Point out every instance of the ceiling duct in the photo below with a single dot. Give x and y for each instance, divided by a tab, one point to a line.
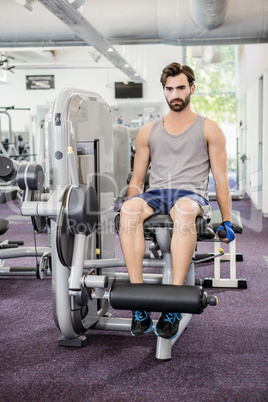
208	14
126	22
179	22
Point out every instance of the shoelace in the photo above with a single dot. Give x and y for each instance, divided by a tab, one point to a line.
140	315
172	317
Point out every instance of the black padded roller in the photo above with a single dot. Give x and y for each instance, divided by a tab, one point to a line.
162	298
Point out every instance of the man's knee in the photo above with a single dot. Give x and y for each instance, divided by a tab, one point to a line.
133	213
131	208
185	209
136	207
184	213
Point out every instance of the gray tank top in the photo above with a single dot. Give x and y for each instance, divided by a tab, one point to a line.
179	161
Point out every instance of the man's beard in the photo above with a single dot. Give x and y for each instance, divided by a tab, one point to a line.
178	107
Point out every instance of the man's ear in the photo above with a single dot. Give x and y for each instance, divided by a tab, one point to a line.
192	89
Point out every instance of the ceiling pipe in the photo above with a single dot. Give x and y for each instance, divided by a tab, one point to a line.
63	10
175	22
122	22
208	14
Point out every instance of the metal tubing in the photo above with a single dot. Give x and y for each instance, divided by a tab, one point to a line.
17	271
95	281
164	346
72	167
77	262
21	252
116	324
190	278
122	277
119	262
40	208
113	324
167	272
163	237
61	298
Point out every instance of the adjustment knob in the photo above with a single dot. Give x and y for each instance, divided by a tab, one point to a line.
212	300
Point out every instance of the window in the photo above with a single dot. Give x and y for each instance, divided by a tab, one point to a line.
215	96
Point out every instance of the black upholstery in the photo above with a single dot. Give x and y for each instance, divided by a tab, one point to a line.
149	297
4	225
164	221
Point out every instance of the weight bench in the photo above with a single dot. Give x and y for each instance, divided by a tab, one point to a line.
232	256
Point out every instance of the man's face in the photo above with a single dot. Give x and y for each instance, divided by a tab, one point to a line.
178	92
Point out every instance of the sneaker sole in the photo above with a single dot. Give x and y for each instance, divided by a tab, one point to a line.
174	336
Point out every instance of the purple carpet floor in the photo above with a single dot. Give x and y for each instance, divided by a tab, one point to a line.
222	356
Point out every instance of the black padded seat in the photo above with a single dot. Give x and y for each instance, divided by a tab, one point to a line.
216	220
4	225
158	221
164	221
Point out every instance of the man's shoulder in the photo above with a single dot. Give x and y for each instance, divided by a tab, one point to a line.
147	128
150	125
144	134
210	124
212	129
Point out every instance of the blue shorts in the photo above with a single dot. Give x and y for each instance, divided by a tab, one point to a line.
162	200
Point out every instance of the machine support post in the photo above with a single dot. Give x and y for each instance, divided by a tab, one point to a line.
77	262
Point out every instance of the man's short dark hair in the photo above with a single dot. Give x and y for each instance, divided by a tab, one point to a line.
174	69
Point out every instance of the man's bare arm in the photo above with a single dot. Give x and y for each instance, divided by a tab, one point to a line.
141	161
218	161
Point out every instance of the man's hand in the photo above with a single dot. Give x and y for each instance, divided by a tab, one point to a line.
225	232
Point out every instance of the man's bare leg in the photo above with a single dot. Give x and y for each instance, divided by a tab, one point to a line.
183	242
133	213
183	213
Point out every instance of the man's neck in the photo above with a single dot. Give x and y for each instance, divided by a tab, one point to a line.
180	117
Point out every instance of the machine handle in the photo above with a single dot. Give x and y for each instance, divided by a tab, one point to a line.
18	242
222	234
72	167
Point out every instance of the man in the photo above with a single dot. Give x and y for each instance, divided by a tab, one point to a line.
181	148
